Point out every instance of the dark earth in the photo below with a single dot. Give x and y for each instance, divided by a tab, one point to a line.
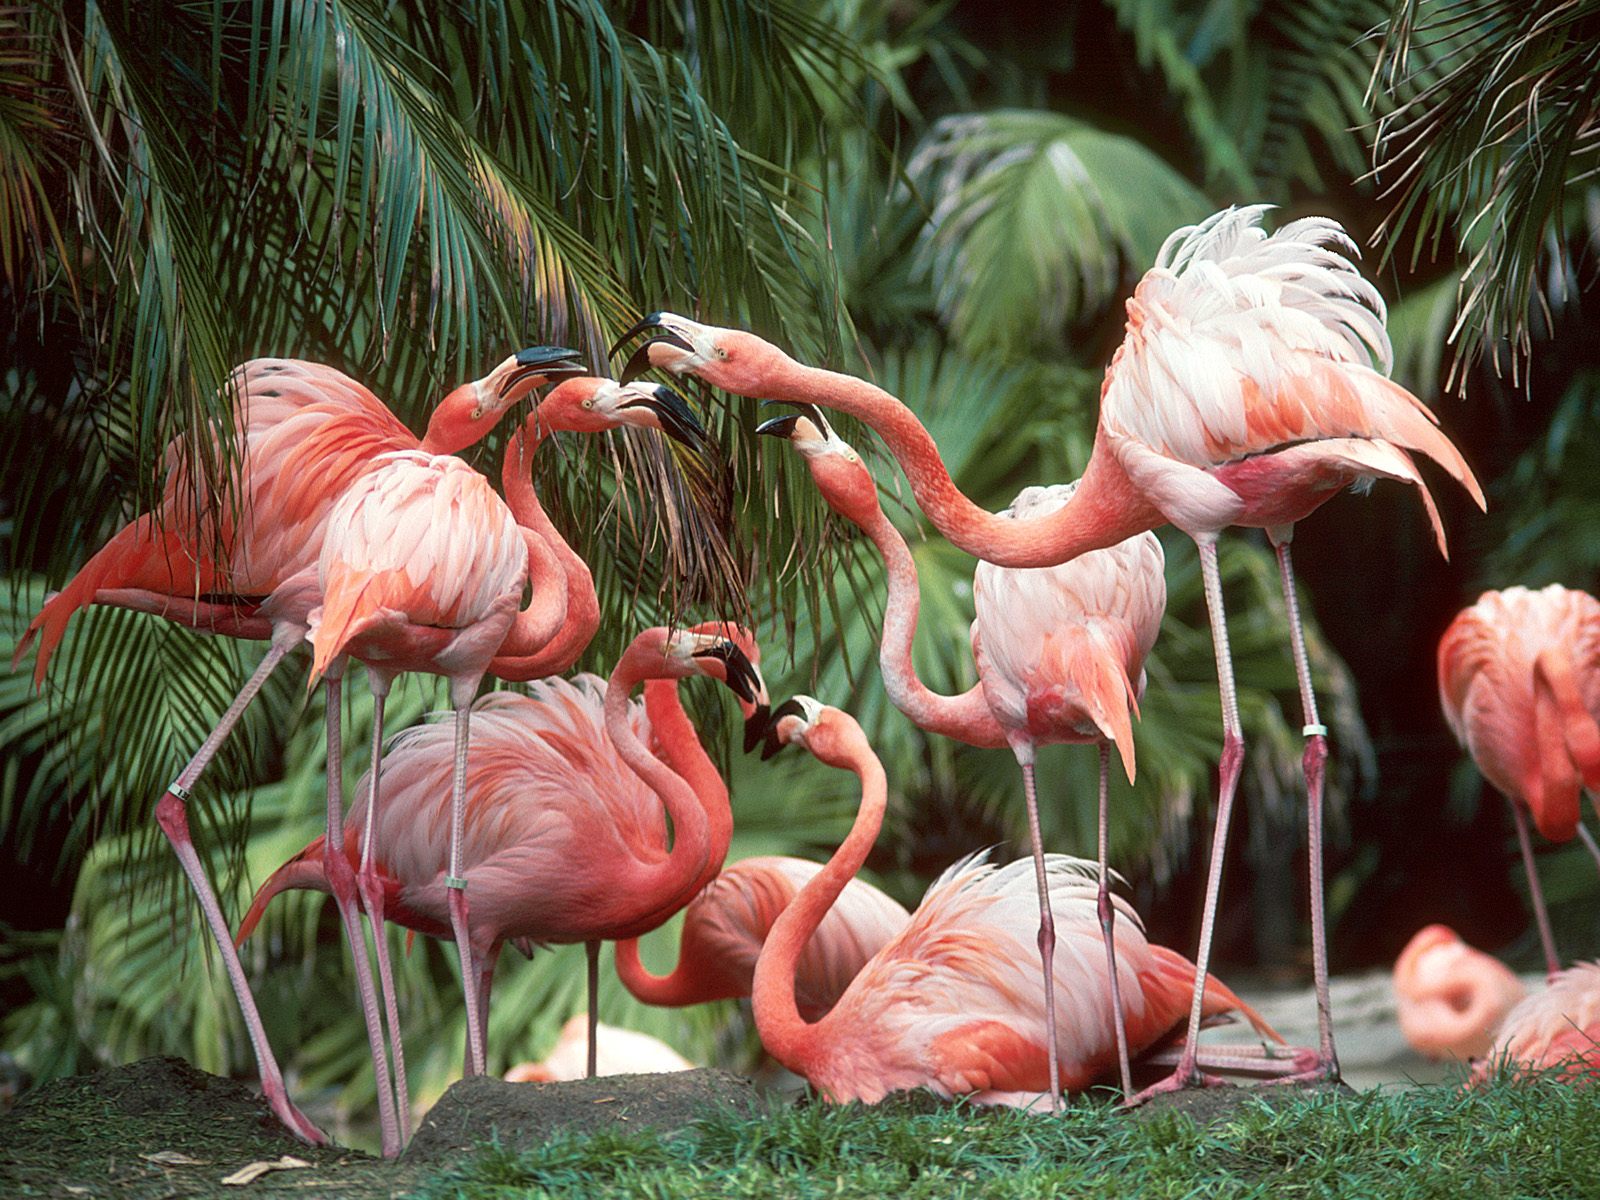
160	1129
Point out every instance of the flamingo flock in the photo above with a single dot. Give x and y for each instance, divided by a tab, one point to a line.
1251	387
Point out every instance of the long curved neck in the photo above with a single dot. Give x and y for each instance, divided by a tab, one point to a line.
1105	509
525	654
965	717
667	883
676	990
784	1032
547	575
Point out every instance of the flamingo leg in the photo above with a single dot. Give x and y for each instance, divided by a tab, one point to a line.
1108	917
371	888
1047	922
173	818
342	883
457	887
591	951
491	959
1587	839
1552	963
1187	1073
1316	754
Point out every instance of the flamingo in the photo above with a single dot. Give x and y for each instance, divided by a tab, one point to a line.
562	836
726	924
622	1052
1450	997
1059	650
1519	681
1243	394
1555	1031
949	1004
308	432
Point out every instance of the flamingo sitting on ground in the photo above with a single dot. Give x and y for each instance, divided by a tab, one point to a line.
563	837
726	925
1060	653
952	1004
1243	394
1556	1031
1519	681
307	432
1450	998
622	1052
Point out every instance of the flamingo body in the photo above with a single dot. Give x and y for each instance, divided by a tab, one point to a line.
1556	1030
620	1052
1450	998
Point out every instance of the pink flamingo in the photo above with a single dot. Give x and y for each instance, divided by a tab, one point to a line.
1519	681
561	790
1243	394
950	1004
1556	1031
1059	650
622	1052
727	923
307	433
1451	998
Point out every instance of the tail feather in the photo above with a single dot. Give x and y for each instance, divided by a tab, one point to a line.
1097	671
352	604
303	871
1400	417
1168	987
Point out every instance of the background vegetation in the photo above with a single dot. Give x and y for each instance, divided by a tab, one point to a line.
952	204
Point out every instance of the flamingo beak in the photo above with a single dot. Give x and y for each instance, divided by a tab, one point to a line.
784	426
742	677
648	321
789	708
639	361
549	362
677	418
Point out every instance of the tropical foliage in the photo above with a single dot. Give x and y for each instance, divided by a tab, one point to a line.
950	204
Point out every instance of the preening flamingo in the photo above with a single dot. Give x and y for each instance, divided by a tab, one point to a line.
1519	680
622	1052
307	432
1059	651
726	925
563	836
1556	1030
953	1003
1243	394
1451	998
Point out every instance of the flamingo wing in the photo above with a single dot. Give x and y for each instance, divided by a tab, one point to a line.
1557	1028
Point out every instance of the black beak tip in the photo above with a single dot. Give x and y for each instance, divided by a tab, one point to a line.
756	727
648	321
771	745
777	427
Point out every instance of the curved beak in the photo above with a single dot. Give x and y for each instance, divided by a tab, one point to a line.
648	321
743	679
639	361
784	426
551	362
677	418
789	708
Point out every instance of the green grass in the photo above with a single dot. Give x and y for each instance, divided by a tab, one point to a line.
1534	1140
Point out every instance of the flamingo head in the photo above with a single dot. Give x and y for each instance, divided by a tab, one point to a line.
466	415
705	650
836	468
730	359
757	709
595	405
830	734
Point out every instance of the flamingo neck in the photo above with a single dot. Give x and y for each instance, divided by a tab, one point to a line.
665	991
547	609
787	1035
965	717
667	884
1105	509
679	745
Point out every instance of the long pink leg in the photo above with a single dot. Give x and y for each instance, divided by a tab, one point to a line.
371	889
173	817
342	884
591	952
1316	754
1552	963
1108	917
457	887
486	968
1187	1073
1587	839
1047	921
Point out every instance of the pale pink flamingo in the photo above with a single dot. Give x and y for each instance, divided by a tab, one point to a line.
1243	394
563	836
1519	681
622	1052
1555	1031
726	924
307	432
1059	652
951	1004
1450	998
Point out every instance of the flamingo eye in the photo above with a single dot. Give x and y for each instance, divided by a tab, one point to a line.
588	403
477	413
722	353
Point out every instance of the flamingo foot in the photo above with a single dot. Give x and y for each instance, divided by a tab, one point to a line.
1186	1077
292	1118
1317	1070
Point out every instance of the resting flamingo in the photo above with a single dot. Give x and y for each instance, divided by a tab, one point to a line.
1556	1031
307	432
727	923
1519	681
1243	394
1450	998
1059	651
563	837
951	1004
622	1052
